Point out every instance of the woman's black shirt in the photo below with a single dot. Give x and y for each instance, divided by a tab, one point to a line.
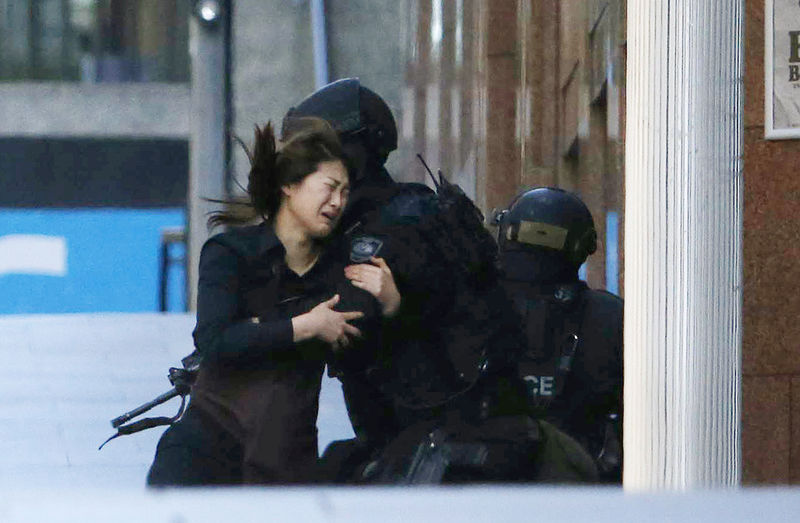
254	380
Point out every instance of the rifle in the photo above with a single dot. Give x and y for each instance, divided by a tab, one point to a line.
181	380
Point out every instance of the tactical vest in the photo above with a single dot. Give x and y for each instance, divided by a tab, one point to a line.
552	318
441	342
572	365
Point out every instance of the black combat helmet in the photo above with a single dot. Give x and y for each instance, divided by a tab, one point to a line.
550	222
354	111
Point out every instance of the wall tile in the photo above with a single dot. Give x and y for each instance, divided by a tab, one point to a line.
502	156
794	462
543	78
572	31
754	64
771	254
765	430
502	37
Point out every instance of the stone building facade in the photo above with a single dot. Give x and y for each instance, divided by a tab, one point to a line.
506	95
509	94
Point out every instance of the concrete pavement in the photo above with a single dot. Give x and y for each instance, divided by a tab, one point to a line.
63	377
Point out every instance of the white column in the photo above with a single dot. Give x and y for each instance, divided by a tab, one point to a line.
683	249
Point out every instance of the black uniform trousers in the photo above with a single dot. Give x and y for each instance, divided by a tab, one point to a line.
196	451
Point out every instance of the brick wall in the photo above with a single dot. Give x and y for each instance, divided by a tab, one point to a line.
770	356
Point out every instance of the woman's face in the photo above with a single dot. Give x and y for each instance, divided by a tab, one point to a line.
317	202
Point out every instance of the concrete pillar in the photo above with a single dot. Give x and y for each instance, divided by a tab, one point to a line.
208	138
683	247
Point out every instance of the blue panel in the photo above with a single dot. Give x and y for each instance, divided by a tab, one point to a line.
112	261
612	252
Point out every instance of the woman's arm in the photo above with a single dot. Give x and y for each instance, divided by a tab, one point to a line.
376	278
326	324
220	334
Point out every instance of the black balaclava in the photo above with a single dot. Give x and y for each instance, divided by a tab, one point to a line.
537	265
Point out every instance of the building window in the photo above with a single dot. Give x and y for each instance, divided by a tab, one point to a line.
94	40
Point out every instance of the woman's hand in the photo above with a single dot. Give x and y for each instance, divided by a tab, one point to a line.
377	280
326	324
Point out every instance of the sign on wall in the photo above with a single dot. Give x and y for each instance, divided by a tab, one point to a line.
782	68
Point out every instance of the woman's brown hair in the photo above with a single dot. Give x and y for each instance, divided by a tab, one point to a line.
273	167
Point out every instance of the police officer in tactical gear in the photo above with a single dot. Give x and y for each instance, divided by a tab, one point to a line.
437	396
572	366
